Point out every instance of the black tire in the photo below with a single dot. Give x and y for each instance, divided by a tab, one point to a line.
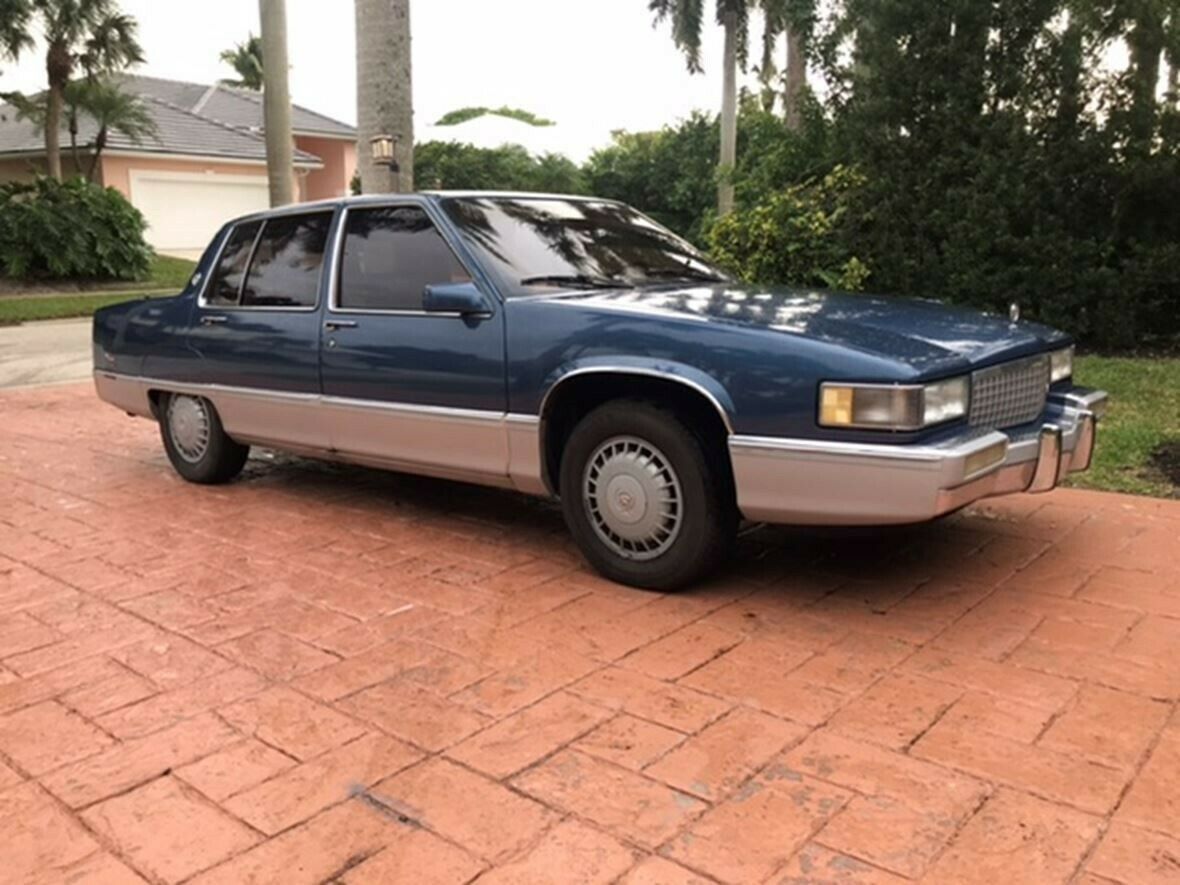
217	460
707	521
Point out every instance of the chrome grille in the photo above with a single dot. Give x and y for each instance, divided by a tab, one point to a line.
1010	393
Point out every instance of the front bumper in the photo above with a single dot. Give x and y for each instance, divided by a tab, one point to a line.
818	482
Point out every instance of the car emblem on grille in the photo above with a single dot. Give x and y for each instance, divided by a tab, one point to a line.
1014	312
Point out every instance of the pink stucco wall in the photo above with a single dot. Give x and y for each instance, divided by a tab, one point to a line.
27	168
116	170
339	158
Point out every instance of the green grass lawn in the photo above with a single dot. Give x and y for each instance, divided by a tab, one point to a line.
168	276
170	273
59	307
1143	423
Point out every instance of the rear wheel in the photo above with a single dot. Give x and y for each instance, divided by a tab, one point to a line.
197	445
645	497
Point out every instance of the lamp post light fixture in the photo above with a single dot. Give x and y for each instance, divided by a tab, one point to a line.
383	150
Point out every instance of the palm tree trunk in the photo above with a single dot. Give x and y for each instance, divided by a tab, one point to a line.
1146	42
100	143
74	147
58	65
728	116
385	95
796	82
276	101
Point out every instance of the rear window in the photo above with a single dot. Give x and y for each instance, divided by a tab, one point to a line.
226	286
285	269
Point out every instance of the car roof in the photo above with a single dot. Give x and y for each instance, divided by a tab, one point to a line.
433	195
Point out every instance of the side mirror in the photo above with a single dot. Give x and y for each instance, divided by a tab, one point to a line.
460	298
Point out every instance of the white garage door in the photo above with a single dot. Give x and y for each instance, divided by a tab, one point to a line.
184	210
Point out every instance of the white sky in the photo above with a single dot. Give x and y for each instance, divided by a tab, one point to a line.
593	68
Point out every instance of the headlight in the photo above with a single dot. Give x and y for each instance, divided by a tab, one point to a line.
893	407
1061	364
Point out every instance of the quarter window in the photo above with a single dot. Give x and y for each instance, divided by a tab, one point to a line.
226	286
285	270
391	255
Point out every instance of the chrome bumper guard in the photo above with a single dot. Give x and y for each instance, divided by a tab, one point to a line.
816	482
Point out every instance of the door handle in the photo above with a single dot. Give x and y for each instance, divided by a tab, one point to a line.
334	325
213	320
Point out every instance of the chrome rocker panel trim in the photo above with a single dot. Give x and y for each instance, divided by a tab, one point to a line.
792	481
810	482
467	445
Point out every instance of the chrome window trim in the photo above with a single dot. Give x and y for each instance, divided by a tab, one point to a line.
202	295
334	279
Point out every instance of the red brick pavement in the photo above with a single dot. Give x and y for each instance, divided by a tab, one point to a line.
324	673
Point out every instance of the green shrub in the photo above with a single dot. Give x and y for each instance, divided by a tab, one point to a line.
70	230
443	165
669	174
795	236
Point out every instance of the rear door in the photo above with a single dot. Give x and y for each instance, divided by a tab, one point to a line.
404	386
257	330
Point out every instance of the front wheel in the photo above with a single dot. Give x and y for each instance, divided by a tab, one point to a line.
196	443
641	498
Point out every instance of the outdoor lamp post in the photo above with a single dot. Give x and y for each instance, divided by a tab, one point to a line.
383	151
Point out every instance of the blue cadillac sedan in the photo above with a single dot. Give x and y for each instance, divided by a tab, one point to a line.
574	348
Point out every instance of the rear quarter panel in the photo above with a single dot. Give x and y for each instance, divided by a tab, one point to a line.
149	337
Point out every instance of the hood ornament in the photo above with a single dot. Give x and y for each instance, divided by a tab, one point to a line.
1014	312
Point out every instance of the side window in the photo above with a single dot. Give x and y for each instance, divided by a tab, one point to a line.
226	285
391	255
285	271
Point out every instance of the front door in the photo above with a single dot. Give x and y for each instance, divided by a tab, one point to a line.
401	386
257	331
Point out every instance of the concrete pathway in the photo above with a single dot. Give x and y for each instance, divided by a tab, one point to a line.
327	674
45	353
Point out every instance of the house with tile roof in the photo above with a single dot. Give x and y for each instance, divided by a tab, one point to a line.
206	164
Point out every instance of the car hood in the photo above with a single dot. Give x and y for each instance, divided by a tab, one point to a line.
923	334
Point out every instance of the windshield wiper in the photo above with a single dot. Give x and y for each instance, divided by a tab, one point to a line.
576	281
684	273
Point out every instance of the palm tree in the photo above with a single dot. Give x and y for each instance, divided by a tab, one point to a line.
793	18
276	103
688	18
88	34
246	59
385	97
113	110
102	101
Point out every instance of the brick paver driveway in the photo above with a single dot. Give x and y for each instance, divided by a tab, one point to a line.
322	673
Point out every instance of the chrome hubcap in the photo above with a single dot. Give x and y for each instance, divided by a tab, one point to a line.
633	498
188	425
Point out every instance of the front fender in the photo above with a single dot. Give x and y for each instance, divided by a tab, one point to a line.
703	383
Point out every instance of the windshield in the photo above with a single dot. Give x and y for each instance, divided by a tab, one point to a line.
534	244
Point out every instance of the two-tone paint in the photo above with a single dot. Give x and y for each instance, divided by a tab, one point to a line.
468	396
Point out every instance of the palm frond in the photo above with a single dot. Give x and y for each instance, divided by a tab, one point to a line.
112	45
15	18
112	108
27	107
687	17
246	60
